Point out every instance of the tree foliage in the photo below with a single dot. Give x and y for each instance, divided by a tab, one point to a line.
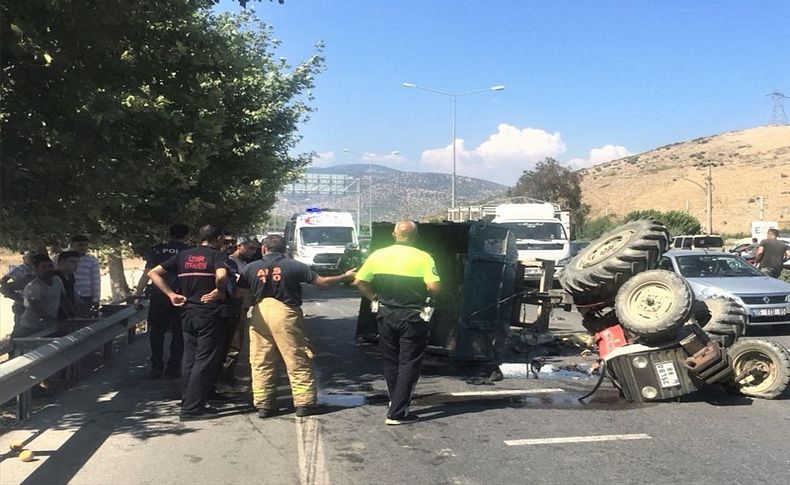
596	227
119	118
677	222
552	182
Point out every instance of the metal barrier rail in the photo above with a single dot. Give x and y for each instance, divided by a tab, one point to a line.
19	374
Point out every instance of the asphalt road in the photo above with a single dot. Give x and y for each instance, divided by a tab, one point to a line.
118	427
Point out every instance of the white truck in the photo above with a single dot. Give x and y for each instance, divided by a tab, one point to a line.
319	238
542	231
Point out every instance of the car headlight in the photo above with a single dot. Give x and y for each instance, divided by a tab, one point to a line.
714	292
787	299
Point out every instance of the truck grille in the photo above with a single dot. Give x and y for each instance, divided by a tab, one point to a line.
537	247
327	258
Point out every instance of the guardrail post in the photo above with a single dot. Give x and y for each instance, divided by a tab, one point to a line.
23	405
131	332
107	350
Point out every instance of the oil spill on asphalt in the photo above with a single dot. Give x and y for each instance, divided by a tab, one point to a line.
602	400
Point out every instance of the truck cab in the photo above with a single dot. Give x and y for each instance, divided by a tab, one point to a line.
319	238
541	231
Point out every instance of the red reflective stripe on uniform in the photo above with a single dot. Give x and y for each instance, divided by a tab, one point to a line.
195	274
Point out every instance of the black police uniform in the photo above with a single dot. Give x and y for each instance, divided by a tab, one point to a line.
162	315
201	323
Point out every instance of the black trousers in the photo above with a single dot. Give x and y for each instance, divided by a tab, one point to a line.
233	339
403	337
164	317
203	333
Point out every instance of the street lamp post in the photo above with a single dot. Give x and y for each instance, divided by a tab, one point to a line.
708	189
453	96
370	184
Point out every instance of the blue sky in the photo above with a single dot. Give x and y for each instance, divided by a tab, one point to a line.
585	81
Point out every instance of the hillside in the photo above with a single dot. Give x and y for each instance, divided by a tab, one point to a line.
746	165
396	194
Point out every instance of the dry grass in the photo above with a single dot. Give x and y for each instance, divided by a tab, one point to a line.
748	164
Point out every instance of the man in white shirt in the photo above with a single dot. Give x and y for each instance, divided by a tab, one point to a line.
42	298
87	278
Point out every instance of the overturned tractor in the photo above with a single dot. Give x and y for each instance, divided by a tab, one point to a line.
655	339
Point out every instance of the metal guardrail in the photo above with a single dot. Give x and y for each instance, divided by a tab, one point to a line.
19	374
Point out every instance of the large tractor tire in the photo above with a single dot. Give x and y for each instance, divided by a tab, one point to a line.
599	270
722	318
654	304
762	365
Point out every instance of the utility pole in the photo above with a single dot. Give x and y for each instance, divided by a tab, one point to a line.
761	206
709	187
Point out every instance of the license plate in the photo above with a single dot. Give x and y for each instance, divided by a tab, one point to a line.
667	375
769	312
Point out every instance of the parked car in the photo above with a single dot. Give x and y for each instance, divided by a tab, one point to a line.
714	274
698	242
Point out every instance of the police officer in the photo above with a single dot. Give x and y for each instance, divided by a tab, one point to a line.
162	315
277	326
400	278
202	276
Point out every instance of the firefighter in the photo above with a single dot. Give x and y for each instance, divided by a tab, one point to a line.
277	326
202	277
399	279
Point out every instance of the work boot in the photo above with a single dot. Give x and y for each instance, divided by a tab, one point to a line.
264	413
302	411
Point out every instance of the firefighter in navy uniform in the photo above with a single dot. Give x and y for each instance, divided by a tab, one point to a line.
202	277
162	315
277	327
400	278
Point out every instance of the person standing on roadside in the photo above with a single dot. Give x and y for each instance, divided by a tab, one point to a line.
87	278
202	277
71	305
242	252
162	315
771	254
400	278
42	295
277	326
13	283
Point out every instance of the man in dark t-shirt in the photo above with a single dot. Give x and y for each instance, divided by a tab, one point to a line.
162	315
202	276
277	326
771	254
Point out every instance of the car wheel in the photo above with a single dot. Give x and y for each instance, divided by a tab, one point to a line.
722	318
761	368
595	274
654	304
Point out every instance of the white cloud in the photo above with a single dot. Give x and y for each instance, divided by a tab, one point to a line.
600	155
501	158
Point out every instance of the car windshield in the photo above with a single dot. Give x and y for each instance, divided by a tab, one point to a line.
538	230
326	236
708	242
714	266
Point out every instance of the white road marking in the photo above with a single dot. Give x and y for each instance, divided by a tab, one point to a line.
508	392
107	396
579	439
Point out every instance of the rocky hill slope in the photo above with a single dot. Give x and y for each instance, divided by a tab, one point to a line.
396	194
746	166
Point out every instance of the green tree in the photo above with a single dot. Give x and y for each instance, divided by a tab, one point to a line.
552	182
677	222
119	118
596	227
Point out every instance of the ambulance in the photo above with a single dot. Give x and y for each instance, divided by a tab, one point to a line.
320	237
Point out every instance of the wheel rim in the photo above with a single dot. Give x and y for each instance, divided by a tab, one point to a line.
747	361
606	248
649	302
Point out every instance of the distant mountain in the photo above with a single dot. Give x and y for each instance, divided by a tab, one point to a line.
751	175
396	194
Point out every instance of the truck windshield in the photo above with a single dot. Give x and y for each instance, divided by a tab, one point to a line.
326	236
538	230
